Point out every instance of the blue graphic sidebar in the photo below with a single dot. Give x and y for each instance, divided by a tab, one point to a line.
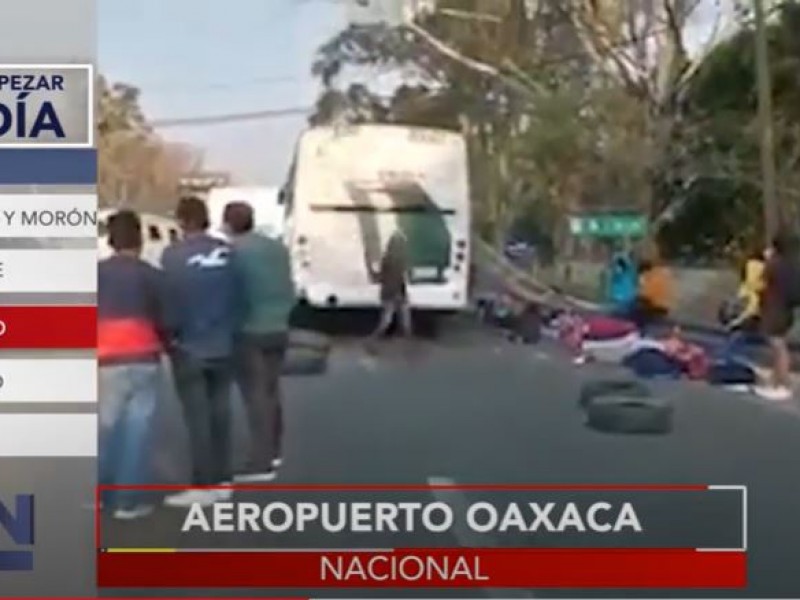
48	166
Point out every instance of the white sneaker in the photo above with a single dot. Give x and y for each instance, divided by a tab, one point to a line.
130	514
192	497
775	393
255	477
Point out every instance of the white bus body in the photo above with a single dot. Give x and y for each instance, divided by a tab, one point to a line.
269	214
352	187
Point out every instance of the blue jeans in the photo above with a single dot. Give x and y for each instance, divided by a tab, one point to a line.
129	395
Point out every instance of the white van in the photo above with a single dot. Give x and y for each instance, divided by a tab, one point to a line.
159	232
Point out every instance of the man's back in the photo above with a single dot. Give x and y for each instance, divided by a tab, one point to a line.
129	310
264	271
394	269
201	295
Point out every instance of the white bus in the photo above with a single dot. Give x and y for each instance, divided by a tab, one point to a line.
158	233
351	188
269	213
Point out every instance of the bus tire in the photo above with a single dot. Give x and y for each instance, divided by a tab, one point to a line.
307	339
628	415
593	390
305	361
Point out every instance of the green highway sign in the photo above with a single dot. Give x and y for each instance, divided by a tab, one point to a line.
608	226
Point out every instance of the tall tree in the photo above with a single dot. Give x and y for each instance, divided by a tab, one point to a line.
137	167
723	211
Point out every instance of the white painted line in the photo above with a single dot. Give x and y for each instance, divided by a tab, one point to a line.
29	436
48	271
369	363
56	380
44	215
465	536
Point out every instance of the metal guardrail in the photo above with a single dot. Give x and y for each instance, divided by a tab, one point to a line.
520	283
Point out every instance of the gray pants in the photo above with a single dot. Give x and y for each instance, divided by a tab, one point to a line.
396	308
204	388
259	366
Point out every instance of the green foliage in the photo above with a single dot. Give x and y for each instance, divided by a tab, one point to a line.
723	209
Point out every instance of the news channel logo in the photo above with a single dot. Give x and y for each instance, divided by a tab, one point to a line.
17	529
47	106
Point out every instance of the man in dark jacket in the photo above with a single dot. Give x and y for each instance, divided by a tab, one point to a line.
263	267
130	341
203	303
779	300
394	287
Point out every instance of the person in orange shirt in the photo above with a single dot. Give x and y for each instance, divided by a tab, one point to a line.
655	298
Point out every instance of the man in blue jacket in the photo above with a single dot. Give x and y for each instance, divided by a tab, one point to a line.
202	307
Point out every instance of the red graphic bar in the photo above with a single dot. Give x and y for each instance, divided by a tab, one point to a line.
427	568
48	327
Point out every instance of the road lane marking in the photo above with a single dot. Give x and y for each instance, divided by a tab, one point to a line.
467	538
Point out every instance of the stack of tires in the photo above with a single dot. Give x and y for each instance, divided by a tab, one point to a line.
624	406
307	354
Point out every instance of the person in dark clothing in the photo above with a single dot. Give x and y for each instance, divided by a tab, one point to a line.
130	341
777	312
394	287
203	302
263	268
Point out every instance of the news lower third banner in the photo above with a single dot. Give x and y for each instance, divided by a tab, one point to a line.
437	537
48	280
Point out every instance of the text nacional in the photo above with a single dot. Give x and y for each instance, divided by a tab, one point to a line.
410	517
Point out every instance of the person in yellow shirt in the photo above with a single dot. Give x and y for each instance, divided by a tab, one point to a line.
748	297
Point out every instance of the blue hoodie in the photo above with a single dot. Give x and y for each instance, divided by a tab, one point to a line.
202	296
623	282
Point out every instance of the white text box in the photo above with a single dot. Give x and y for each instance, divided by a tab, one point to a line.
24	435
48	271
48	216
57	380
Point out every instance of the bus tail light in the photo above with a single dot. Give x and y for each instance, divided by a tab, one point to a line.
301	251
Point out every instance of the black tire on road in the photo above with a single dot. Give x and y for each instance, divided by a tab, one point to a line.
307	339
305	361
600	389
623	414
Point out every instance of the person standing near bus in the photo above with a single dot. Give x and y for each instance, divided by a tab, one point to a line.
393	278
263	268
781	296
203	303
130	343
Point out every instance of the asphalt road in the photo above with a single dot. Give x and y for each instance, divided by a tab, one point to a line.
475	409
